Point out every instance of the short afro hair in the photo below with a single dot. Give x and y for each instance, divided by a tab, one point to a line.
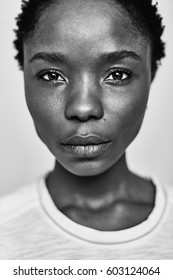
143	14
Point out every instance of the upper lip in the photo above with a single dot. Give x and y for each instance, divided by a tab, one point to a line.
84	140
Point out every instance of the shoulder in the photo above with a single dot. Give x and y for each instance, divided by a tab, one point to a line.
164	197
168	188
18	202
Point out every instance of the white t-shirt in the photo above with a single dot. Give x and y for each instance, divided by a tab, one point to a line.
31	227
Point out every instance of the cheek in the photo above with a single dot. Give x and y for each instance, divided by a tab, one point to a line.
133	115
126	112
46	111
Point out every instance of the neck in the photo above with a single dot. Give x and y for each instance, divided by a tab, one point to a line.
114	200
95	190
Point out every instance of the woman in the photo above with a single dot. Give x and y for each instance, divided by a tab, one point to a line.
88	67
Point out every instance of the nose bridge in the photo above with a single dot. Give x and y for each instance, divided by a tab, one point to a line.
84	100
86	89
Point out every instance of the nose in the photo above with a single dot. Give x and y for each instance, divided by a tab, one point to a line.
84	101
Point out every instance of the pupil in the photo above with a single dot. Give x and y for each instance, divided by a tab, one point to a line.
117	76
52	76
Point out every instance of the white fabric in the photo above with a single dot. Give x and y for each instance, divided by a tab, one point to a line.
31	227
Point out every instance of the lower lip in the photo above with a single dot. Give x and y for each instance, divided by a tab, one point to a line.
87	151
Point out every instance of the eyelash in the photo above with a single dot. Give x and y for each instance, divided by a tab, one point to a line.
54	79
119	80
116	81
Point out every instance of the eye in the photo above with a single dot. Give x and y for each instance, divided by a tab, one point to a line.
51	76
118	76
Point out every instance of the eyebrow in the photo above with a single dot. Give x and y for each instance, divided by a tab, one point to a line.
119	55
56	57
49	57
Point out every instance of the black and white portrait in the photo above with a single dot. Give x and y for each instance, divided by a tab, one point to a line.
86	129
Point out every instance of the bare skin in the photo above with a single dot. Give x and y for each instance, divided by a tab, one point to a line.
105	202
88	72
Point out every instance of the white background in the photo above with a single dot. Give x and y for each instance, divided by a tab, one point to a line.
22	155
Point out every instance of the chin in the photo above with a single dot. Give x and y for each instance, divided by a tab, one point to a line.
87	169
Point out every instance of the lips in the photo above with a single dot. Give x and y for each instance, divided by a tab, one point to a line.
80	140
86	146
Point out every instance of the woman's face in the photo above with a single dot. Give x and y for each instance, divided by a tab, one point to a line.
87	77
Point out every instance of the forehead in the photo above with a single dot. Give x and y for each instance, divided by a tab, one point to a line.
82	28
